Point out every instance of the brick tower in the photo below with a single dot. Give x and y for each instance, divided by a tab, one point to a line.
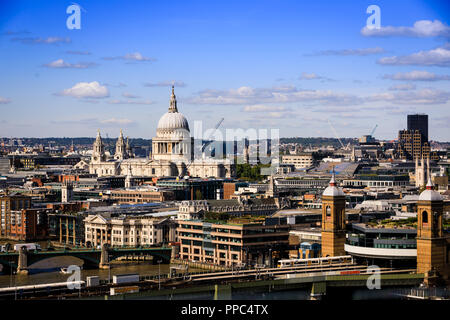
431	241
333	220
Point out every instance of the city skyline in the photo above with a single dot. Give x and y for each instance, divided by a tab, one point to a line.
287	65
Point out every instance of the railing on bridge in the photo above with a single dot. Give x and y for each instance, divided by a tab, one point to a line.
424	293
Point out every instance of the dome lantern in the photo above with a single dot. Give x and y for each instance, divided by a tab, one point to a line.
429	194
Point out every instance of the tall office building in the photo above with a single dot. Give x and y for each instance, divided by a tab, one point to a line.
413	142
419	122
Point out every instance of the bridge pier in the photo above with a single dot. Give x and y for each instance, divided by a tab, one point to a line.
22	264
104	258
318	290
222	292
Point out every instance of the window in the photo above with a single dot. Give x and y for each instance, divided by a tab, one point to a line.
328	211
424	217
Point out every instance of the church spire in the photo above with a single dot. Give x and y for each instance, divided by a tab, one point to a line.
333	179
120	147
429	185
173	102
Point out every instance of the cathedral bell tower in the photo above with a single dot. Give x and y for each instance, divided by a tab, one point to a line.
98	154
121	152
333	220
431	241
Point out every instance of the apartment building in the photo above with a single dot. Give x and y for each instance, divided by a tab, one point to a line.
9	204
28	224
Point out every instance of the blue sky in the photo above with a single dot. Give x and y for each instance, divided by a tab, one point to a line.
291	65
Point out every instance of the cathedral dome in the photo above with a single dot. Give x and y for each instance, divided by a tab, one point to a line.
172	123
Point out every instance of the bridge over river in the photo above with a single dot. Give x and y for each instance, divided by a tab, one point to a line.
95	258
341	280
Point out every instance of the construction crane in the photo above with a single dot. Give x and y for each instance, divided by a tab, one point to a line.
373	130
207	143
337	137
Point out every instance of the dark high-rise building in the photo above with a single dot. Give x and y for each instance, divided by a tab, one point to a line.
419	122
413	142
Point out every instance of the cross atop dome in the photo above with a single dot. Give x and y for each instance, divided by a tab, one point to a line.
173	102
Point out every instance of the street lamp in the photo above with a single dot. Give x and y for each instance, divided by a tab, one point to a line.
270	257
10	278
15	286
109	268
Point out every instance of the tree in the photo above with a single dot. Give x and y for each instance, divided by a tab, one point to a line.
246	171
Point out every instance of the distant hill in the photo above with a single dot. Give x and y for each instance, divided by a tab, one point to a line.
79	141
317	142
139	142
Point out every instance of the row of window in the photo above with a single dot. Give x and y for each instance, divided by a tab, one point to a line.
119	232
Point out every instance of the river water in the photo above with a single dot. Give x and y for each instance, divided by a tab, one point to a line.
48	270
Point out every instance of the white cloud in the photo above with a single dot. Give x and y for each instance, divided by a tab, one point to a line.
136	56
421	28
95	122
260	111
78	52
49	40
403	87
60	63
416	75
119	85
313	76
87	90
247	95
117	101
129	95
4	100
262	108
117	121
437	57
350	52
166	84
422	96
309	76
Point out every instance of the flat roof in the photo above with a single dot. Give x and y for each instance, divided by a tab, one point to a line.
368	229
